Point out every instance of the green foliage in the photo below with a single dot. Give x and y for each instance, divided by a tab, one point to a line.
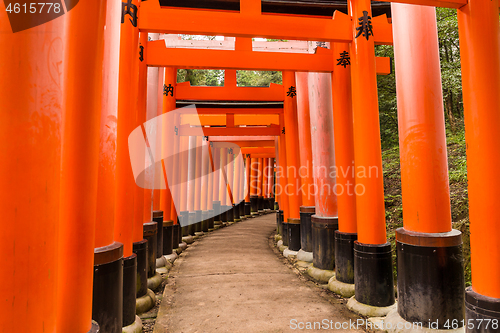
257	79
201	77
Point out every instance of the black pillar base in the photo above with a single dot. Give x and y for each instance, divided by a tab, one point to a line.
293	234
306	227
211	220
430	277
230	214
204	221
248	209
158	218
191	222
184	220
176	238
168	237
107	293
373	279
344	256
254	204
481	309
198	219
323	241
279	221
260	204
216	208
223	214
241	206
285	236
140	249
129	286
149	233
271	203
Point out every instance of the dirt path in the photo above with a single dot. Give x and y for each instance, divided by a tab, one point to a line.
232	281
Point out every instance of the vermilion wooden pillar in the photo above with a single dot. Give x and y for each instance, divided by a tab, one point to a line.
107	296
480	58
248	162
30	130
230	185
169	104
175	208
292	147
205	186
223	195
270	182
372	252
237	188
152	112
307	208
281	175
260	185
191	185
325	220
197	184
158	166
183	162
429	253
125	184
140	118
79	165
216	187
254	185
210	188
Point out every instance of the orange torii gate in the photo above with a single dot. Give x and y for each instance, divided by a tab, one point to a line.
480	56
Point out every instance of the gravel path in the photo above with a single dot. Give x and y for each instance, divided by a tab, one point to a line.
232	281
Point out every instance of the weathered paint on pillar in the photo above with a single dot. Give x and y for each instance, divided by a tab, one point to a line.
370	209
292	145
480	57
254	176
321	112
306	167
343	139
30	130
205	174
211	174
79	164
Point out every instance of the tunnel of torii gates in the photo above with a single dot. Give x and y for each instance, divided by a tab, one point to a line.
72	92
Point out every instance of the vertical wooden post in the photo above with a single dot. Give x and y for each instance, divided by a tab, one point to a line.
292	147
79	166
480	58
325	221
378	290
424	177
31	123
344	164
